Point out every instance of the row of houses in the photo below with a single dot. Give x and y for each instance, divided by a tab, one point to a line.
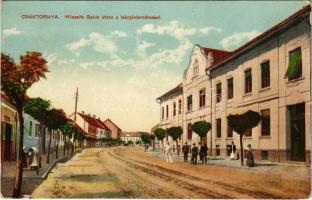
37	138
271	74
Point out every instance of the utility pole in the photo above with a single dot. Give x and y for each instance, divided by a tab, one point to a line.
76	101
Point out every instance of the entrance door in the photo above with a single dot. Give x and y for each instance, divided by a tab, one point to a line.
7	144
297	132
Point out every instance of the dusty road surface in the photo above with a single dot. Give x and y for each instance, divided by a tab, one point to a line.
131	173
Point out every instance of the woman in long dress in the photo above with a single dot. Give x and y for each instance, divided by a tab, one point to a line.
249	156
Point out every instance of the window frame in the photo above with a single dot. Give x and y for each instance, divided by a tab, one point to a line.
202	97
218	128
232	88
265	128
218	92
248	81
265	80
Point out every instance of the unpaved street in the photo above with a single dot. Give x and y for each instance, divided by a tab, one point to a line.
132	173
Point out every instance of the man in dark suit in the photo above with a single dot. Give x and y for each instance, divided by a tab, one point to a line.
194	153
185	150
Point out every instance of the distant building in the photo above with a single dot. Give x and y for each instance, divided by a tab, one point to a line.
130	136
116	131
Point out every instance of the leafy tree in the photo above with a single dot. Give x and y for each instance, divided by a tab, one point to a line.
175	133
152	138
160	135
16	79
138	142
201	128
55	119
67	130
240	123
145	139
130	142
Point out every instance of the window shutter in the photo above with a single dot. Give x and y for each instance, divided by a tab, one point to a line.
30	128
294	62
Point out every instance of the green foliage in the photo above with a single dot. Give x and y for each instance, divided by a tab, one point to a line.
37	108
175	132
201	128
160	134
68	129
152	137
55	119
138	142
145	137
240	123
130	142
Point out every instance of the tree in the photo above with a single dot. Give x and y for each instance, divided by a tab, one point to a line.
16	79
175	133
240	123
38	108
67	130
160	135
145	139
201	128
152	138
130	142
55	119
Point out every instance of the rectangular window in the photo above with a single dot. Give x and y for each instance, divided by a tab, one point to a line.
219	90
162	113
167	111
229	131
265	122
37	130
189	103
294	69
30	129
248	133
265	74
174	109
248	81
219	128
202	98
230	88
264	155
180	106
217	150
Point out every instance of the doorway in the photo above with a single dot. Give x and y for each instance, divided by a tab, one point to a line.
7	144
297	132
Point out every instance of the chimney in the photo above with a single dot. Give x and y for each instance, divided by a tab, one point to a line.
99	118
82	112
94	116
89	115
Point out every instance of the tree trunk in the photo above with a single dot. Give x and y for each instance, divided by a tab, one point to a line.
68	145
57	144
19	165
178	150
241	149
72	150
49	146
64	147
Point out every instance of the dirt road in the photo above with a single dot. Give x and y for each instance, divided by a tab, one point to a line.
131	173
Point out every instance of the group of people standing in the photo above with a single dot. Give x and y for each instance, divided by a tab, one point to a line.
201	150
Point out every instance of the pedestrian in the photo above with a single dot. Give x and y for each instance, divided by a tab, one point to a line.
194	154
200	156
203	152
249	155
168	153
185	150
233	151
24	158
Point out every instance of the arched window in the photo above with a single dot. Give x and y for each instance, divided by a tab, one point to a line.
189	131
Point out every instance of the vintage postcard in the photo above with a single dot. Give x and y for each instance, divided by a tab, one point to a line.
156	99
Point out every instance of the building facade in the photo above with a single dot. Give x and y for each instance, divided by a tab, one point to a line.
271	74
115	130
130	136
171	110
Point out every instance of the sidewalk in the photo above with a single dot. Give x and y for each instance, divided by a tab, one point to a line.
298	171
30	178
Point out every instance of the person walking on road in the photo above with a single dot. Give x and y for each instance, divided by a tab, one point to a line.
249	156
194	154
233	151
203	153
185	150
168	153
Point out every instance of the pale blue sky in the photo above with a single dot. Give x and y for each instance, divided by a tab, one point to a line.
122	66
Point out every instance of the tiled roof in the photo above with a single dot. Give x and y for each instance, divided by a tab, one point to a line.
217	54
84	132
172	91
91	120
264	36
109	120
104	126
